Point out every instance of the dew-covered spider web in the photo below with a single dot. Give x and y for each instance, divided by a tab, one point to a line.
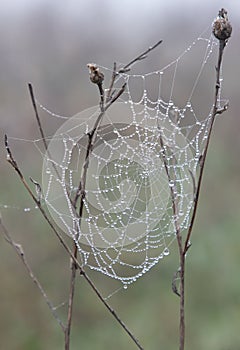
148	147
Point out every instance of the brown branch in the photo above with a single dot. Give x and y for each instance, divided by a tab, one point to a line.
142	56
73	266
13	163
30	87
80	193
222	31
215	111
183	247
71	298
97	78
114	74
20	252
181	270
33	100
127	68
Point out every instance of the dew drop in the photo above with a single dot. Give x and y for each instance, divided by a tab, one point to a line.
166	251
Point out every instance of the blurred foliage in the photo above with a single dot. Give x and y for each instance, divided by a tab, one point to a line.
50	45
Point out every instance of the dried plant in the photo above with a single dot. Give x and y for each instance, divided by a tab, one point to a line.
222	31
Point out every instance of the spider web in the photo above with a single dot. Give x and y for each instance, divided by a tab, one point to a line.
127	223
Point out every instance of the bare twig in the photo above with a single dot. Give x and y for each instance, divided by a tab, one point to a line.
73	266
142	56
97	77
127	68
30	87
114	74
71	298
13	163
180	274
20	252
44	140
222	31
216	110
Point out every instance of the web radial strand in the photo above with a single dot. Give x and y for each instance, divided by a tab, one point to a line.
147	145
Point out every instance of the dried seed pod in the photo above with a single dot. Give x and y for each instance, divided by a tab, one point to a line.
222	28
96	76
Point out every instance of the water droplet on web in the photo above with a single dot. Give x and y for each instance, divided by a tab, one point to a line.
166	251
130	162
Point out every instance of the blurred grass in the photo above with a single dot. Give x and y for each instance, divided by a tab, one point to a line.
148	307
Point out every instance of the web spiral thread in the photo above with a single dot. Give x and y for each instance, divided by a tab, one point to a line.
127	224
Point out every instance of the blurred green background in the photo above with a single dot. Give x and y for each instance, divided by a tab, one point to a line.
49	43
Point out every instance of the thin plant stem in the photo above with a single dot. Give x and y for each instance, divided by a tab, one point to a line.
20	252
73	265
82	272
71	298
216	110
181	271
111	98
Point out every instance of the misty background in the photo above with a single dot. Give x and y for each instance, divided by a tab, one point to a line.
49	44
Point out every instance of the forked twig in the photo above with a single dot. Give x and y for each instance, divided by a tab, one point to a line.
222	31
110	99
97	77
142	56
30	87
20	252
73	266
44	140
180	274
82	272
71	297
216	110
127	68
114	74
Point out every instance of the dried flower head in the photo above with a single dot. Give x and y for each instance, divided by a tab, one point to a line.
222	28
96	76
